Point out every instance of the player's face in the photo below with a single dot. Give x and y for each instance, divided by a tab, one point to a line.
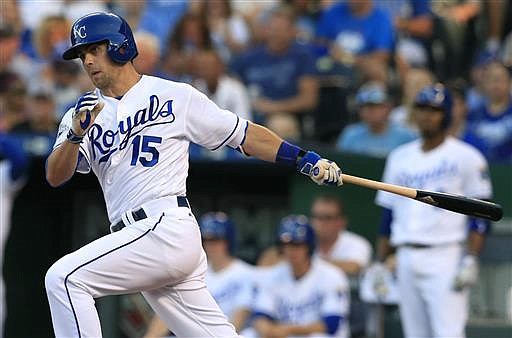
215	247
429	121
326	219
296	254
97	64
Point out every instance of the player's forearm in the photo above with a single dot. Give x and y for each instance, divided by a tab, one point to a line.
262	143
304	330
157	328
239	318
263	326
384	248
349	267
475	243
61	163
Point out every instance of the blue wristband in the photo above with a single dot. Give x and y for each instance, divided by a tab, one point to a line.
288	154
74	138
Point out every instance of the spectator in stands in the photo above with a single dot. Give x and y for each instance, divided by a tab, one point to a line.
489	128
280	75
11	57
161	18
190	36
229	279
414	80
38	131
13	95
334	243
306	20
374	135
227	92
413	23
357	32
51	37
454	20
476	96
300	296
147	61
458	90
229	32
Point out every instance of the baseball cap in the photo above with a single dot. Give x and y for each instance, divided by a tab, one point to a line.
371	93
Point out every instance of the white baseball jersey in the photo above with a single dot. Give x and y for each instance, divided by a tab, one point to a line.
453	167
323	291
351	247
232	287
138	144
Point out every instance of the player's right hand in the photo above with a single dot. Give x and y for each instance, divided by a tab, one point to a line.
320	170
86	109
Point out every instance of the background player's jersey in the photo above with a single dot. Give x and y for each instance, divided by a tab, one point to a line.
453	167
350	247
232	287
322	292
138	144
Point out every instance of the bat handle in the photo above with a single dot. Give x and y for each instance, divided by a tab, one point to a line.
404	191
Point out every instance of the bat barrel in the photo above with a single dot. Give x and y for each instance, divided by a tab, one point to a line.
467	206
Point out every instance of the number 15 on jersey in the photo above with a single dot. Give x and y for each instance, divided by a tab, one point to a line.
144	152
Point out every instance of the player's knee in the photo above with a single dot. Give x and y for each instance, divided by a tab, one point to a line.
54	278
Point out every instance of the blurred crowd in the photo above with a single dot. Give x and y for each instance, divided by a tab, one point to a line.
340	73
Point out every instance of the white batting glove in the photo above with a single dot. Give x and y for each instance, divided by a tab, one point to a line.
320	170
467	273
380	276
86	109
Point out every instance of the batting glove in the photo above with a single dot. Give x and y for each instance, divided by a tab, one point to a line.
380	276
467	274
86	109
320	170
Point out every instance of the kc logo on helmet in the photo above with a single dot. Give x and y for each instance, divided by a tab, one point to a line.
79	32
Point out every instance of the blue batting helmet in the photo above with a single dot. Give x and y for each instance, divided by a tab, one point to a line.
297	230
217	225
436	96
103	27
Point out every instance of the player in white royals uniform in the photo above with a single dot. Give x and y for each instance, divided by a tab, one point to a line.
434	268
133	132
13	164
302	296
229	279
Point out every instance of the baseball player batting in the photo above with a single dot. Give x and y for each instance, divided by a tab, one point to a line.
133	131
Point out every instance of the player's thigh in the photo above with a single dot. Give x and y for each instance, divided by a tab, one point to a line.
189	310
125	261
448	309
413	311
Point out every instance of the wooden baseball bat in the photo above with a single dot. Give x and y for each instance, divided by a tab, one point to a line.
463	205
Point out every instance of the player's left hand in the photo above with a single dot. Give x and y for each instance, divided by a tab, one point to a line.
87	108
467	273
322	171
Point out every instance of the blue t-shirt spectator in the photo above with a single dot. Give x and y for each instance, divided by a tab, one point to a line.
357	35
358	138
405	8
160	17
491	134
273	76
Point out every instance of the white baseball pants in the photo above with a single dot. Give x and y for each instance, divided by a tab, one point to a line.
429	306
161	256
